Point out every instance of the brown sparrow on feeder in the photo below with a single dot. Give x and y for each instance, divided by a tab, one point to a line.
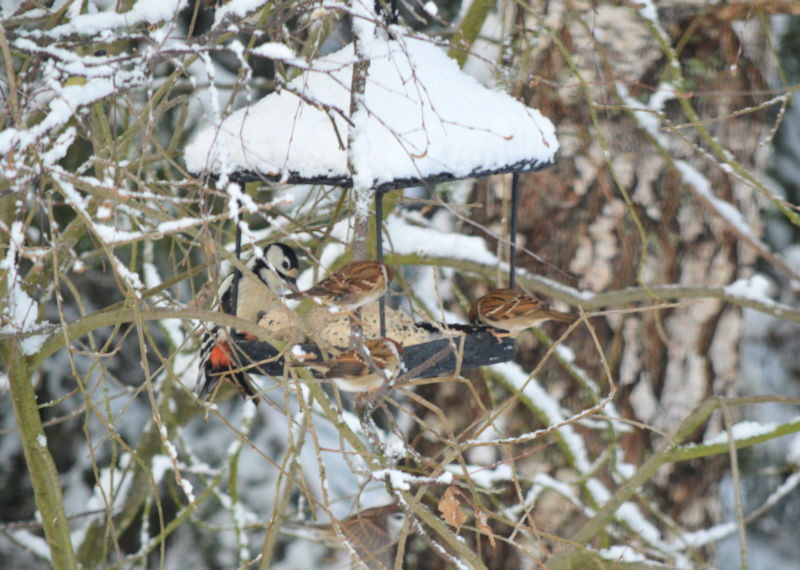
354	371
355	284
509	311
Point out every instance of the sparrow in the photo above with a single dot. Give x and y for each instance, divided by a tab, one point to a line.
270	270
354	371
509	311
372	534
355	284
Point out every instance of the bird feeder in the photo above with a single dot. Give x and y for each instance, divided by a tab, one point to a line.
421	121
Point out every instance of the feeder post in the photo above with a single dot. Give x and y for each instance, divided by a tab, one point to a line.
236	273
512	250
379	248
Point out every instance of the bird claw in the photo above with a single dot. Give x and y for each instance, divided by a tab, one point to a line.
500	334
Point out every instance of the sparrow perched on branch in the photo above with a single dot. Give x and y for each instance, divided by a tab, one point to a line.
354	371
372	534
506	310
355	284
272	269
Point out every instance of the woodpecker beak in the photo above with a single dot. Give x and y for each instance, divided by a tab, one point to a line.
287	276
290	277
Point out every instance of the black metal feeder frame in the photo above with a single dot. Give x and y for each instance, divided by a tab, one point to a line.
470	347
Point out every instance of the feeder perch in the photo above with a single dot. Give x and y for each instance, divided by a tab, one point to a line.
423	121
465	348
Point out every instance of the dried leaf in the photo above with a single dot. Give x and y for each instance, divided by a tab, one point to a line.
450	507
481	522
204	297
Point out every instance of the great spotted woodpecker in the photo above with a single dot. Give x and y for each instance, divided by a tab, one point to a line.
270	271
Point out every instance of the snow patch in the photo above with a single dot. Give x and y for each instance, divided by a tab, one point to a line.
742	430
20	312
275	51
402	481
411	127
756	288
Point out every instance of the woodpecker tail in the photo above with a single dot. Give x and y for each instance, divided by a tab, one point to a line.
218	362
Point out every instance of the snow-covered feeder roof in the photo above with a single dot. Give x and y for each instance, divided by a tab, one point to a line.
424	120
